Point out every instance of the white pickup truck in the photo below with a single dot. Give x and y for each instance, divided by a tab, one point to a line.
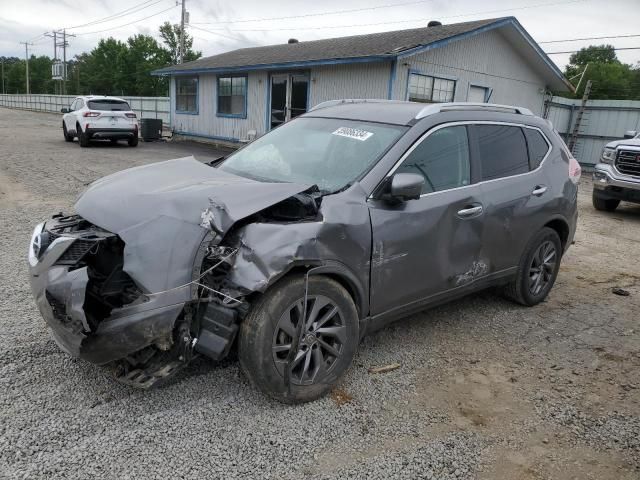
617	177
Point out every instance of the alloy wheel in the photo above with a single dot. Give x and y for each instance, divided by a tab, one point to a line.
321	339
543	266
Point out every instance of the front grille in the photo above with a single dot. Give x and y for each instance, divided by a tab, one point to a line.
628	162
60	313
74	253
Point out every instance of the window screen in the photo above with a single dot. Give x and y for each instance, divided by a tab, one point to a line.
538	147
442	159
232	93
425	88
187	94
503	151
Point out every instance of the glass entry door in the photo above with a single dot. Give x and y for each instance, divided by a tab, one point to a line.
289	94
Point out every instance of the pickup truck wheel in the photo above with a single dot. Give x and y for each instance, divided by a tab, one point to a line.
133	141
67	137
538	269
294	358
604	204
83	140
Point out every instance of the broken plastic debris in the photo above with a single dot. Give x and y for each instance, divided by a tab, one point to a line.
620	291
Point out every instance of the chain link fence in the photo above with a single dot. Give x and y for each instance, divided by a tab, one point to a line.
144	107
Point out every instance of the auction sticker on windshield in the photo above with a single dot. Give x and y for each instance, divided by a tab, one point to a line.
354	133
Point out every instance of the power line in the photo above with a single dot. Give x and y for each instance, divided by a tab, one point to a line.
333	12
422	20
590	38
595	49
127	24
127	11
214	33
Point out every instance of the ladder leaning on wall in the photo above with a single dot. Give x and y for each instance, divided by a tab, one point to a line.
573	140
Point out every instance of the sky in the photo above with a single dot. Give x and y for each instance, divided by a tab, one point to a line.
219	26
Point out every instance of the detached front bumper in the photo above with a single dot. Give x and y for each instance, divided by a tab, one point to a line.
60	289
608	183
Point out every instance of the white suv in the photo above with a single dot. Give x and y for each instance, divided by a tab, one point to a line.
100	118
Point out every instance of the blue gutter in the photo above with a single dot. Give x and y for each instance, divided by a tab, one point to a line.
392	78
278	66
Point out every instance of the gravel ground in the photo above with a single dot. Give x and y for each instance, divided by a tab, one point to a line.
486	389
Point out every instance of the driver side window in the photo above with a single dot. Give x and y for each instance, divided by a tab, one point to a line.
74	105
442	158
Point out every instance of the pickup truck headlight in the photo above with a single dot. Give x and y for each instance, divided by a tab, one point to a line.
608	155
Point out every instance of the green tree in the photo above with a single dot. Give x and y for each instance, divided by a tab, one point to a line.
611	79
143	55
170	35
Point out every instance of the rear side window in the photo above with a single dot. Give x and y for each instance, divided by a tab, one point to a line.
109	105
538	147
503	151
442	159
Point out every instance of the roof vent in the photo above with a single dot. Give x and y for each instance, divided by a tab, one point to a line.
293	40
434	23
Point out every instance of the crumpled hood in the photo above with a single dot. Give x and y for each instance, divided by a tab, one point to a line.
181	189
628	142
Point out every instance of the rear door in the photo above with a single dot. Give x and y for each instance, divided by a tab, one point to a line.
515	190
107	114
425	247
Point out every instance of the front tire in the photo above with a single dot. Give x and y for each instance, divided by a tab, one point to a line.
327	339
537	270
604	204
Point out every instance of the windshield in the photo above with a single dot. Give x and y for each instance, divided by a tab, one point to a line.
109	105
326	152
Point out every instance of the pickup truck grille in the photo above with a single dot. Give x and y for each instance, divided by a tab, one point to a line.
628	162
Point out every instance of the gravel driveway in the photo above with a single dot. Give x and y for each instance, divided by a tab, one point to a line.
486	389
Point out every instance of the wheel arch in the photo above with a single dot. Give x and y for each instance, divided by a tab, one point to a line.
561	227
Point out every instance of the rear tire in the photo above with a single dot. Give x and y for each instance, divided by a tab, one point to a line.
133	141
604	204
537	270
328	342
67	137
83	139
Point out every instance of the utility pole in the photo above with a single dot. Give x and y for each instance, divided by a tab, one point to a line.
26	58
3	76
181	56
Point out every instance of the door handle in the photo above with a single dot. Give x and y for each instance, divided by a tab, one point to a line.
539	190
470	211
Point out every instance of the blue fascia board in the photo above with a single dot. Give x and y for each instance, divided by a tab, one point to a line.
277	66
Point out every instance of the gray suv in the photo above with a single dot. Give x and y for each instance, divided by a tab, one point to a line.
617	176
291	249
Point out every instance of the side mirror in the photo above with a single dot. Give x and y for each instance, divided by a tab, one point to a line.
630	134
65	110
406	186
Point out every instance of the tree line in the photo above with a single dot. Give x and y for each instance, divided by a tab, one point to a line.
113	67
611	79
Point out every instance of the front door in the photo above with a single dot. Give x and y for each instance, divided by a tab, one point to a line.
289	94
431	245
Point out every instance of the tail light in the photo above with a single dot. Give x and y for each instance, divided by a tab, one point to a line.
130	115
91	114
574	170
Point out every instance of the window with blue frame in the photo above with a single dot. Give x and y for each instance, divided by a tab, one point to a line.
232	96
429	89
187	94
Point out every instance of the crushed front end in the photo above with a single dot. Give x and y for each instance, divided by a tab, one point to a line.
94	309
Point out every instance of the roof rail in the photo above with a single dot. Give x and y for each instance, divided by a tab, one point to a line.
333	103
455	106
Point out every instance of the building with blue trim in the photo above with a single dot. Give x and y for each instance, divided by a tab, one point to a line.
238	95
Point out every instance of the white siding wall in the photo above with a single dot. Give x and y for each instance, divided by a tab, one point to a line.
485	60
358	80
207	124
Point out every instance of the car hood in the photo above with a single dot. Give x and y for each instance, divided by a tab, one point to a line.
627	142
183	189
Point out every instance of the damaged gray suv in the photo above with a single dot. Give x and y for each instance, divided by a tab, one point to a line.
294	247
